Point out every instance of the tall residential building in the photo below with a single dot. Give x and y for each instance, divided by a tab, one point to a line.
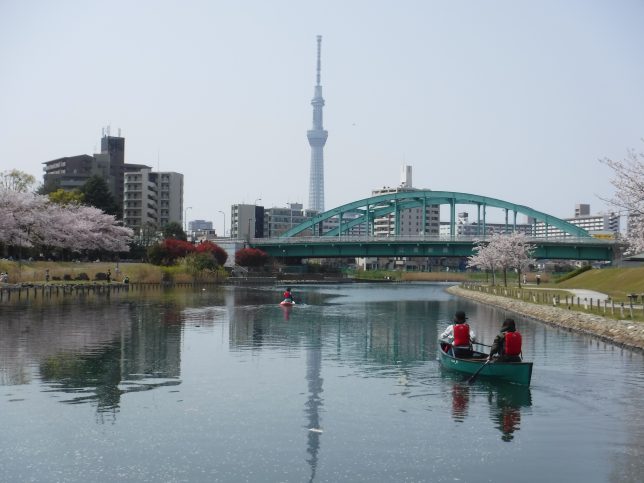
152	199
113	151
411	219
246	221
72	172
317	139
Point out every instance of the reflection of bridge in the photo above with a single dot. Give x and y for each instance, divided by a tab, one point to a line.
574	243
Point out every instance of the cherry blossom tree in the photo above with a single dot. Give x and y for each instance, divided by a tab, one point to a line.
484	258
629	196
506	251
28	219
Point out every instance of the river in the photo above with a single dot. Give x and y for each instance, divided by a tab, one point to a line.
223	384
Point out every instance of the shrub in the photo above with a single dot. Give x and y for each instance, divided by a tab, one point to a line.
209	247
100	276
82	276
574	273
67	277
251	257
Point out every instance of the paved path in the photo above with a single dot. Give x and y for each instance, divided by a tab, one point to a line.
589	294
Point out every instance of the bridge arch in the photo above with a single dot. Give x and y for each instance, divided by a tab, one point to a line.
369	209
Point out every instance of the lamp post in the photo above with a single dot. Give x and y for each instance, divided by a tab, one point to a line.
249	220
185	219
223	213
256	200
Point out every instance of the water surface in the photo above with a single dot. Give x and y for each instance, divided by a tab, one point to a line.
223	384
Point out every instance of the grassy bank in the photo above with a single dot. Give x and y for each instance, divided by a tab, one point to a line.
28	272
616	282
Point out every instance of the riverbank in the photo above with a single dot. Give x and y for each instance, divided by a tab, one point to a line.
623	333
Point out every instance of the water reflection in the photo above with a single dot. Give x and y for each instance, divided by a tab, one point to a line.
460	400
506	401
95	354
314	401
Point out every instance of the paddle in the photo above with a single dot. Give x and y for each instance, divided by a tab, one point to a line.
473	378
480	343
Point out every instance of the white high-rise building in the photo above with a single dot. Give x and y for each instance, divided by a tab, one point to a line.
411	219
152	199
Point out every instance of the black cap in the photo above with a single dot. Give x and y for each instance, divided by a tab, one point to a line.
460	316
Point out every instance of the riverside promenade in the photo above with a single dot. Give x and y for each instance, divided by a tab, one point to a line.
623	333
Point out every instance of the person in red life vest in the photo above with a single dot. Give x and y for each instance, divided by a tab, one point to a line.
288	295
460	335
507	345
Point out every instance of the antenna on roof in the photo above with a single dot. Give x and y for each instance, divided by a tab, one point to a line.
119	132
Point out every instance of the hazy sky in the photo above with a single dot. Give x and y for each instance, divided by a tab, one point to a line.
511	99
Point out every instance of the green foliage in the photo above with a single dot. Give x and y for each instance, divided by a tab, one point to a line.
16	180
174	230
196	263
63	197
96	193
574	273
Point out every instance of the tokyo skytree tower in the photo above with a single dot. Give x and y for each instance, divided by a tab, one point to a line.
317	139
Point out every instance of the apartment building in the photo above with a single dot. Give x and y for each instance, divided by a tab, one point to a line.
152	199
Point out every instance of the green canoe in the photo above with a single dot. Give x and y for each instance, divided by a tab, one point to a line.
517	372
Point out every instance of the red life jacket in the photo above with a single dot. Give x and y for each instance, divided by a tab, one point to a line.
512	344
287	295
461	335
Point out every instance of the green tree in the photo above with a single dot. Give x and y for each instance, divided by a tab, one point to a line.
16	180
174	230
63	197
96	193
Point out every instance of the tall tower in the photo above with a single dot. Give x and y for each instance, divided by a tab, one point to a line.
317	139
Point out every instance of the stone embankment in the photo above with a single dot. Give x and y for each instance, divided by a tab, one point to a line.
624	333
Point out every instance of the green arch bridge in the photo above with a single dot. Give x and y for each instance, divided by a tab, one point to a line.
328	233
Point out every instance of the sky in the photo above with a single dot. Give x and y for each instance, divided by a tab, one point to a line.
516	100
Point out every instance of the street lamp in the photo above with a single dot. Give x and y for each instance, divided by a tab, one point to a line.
249	220
185	219
223	213
256	200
